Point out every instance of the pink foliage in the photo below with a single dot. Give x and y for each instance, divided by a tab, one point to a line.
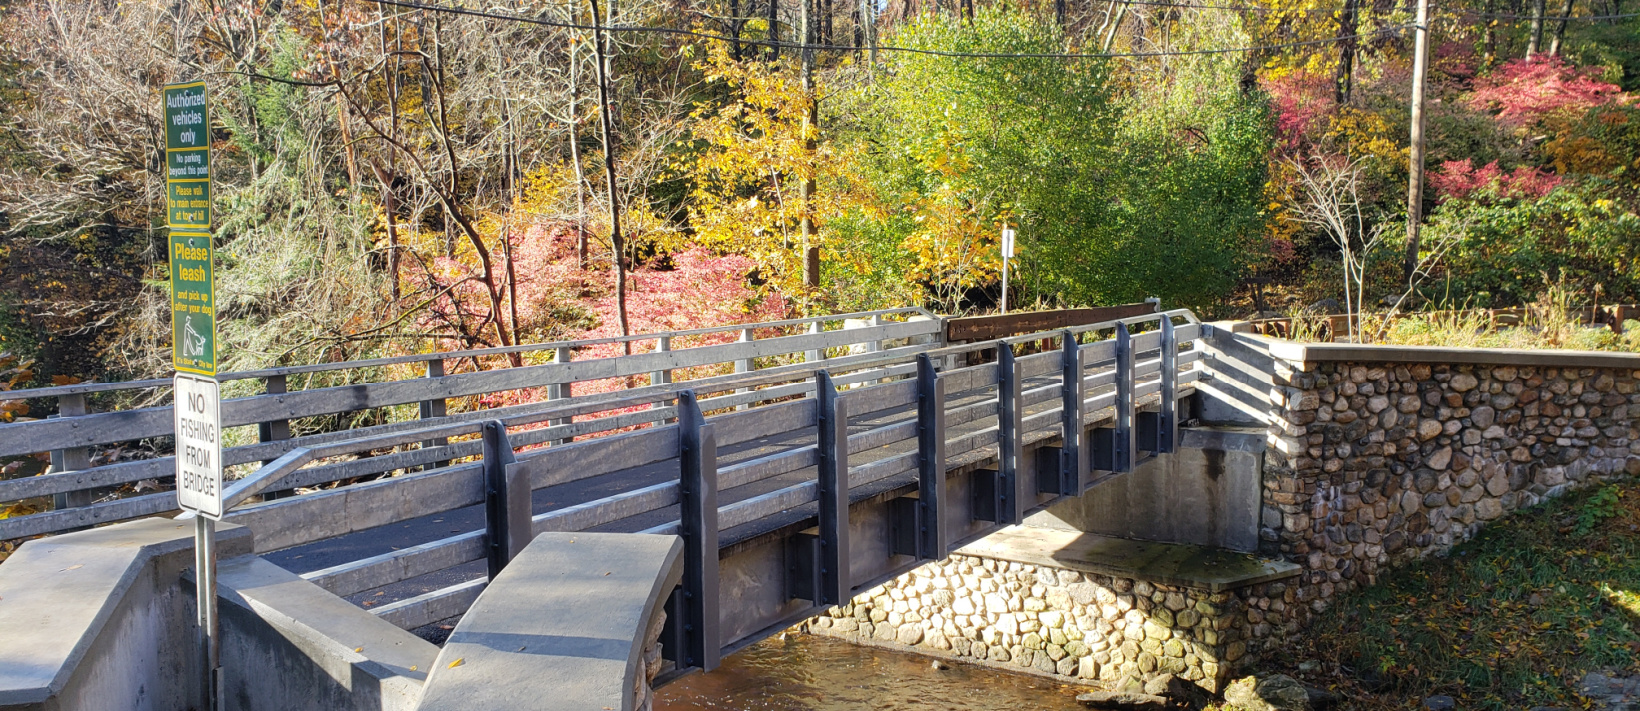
1460	179
699	290
1302	101
1526	91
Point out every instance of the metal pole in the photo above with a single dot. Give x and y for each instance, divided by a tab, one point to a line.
1415	160
210	633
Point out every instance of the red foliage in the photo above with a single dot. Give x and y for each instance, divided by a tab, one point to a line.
699	290
1460	179
1302	102
1527	91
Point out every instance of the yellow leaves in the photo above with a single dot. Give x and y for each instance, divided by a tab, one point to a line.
458	662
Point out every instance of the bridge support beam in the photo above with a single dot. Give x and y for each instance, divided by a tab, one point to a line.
819	557
1158	431
507	526
693	628
1015	493
933	540
1113	447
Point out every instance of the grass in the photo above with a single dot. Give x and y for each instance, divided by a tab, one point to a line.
1510	620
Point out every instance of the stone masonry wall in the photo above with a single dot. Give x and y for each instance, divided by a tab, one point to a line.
1056	621
1372	464
1369	465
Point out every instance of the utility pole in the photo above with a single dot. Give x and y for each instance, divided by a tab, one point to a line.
811	126
1415	183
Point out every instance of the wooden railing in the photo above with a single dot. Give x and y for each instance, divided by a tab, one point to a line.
71	437
917	409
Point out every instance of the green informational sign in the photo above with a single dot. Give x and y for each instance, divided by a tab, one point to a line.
193	304
187	157
188	212
189	204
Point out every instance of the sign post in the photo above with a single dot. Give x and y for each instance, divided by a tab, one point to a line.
1007	253
197	408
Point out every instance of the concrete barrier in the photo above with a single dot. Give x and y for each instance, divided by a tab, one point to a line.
105	619
289	644
98	620
571	623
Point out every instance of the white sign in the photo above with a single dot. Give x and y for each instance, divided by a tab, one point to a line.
1007	241
199	445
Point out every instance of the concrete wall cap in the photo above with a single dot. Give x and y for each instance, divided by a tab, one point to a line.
1367	353
59	592
562	626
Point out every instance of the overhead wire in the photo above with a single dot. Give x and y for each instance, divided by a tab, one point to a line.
674	31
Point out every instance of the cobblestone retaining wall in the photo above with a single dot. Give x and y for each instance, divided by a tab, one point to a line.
1057	621
1369	465
1372	464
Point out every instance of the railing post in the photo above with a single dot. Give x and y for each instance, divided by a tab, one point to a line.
560	391
815	355
1126	440
702	642
434	408
274	430
1016	491
1073	456
832	425
933	539
744	365
664	375
71	459
507	525
1167	429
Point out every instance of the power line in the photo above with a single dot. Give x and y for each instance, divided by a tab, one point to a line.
1564	18
640	29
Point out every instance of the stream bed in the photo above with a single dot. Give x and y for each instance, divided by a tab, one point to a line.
809	673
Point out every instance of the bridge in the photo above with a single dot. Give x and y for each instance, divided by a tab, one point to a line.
841	452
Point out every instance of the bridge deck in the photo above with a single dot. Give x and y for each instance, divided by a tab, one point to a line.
425	529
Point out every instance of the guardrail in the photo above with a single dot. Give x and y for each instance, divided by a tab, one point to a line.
916	409
73	482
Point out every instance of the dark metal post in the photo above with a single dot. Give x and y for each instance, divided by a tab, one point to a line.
1073	456
1017	491
835	583
507	525
933	539
703	646
1125	442
274	431
71	459
1167	429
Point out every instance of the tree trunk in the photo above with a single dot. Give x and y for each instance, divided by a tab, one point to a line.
734	29
1560	29
575	150
617	244
811	125
774	29
1346	52
1535	41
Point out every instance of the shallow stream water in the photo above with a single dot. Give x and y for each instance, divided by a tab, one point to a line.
808	673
